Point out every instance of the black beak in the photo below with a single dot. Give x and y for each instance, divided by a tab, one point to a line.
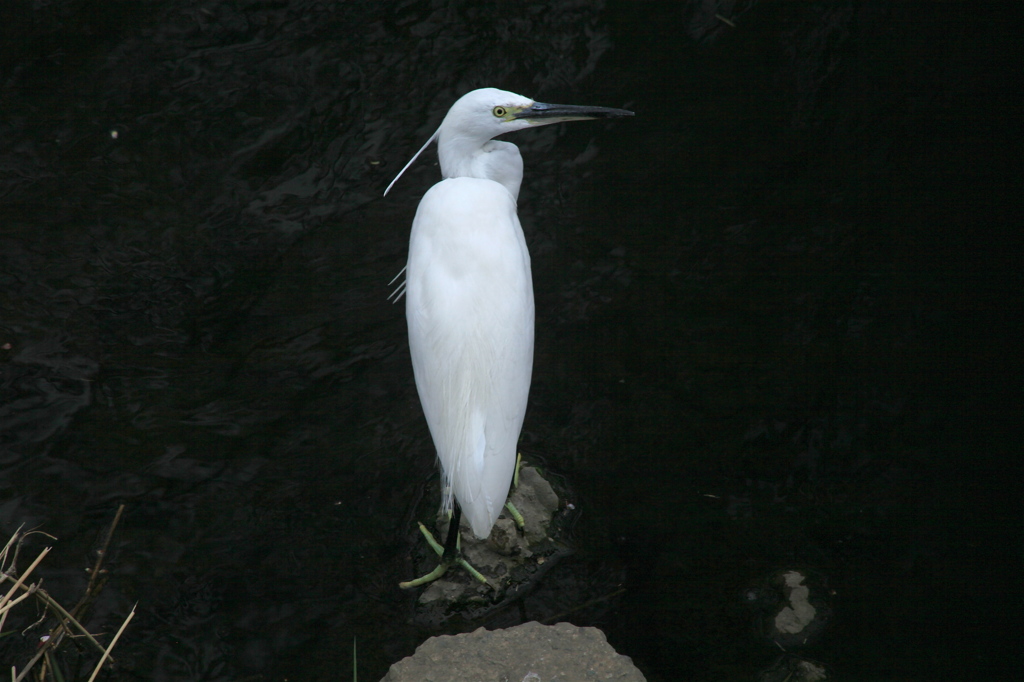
541	113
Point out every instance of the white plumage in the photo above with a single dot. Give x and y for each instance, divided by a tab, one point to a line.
469	305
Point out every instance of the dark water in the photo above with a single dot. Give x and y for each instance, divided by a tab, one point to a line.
776	323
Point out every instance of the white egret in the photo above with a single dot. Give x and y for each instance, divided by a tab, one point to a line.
469	303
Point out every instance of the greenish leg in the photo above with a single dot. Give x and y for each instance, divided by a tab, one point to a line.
516	516
437	572
444	564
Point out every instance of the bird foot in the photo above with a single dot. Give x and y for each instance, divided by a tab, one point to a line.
444	564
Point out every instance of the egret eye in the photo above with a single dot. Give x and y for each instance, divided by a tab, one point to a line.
499	112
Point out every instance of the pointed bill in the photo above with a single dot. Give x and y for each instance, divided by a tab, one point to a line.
541	113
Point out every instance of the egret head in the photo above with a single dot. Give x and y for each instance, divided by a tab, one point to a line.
481	115
489	112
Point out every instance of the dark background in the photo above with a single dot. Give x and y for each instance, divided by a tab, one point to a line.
778	323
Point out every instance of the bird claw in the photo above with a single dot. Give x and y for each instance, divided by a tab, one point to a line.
443	566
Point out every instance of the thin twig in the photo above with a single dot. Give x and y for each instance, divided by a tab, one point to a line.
67	621
45	597
19	582
100	556
17	538
24	575
3	553
50	601
106	654
91	590
28	592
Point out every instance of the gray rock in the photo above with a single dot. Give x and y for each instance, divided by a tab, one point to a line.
530	652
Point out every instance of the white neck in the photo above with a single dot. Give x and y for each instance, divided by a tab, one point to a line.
465	157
